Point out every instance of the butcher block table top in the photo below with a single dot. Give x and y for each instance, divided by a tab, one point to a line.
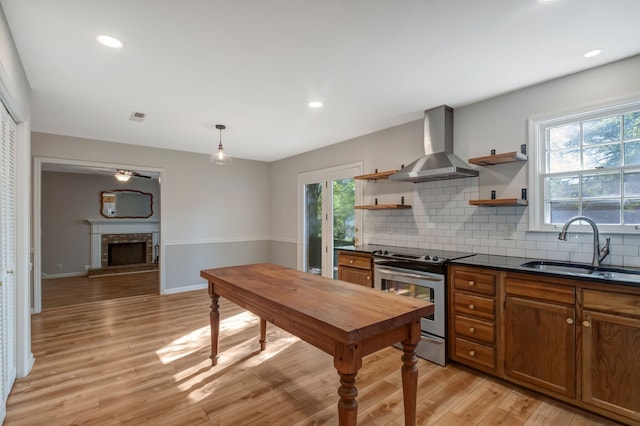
345	320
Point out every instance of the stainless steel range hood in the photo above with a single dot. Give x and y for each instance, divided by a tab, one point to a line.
439	161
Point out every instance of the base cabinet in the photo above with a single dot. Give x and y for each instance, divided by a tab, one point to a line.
540	344
355	267
570	339
611	353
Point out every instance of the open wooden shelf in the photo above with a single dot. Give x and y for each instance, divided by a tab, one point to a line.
500	202
383	206
376	176
491	160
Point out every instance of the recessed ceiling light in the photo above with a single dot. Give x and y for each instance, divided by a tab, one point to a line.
592	53
110	41
315	104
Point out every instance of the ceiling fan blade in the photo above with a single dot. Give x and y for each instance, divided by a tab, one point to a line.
136	174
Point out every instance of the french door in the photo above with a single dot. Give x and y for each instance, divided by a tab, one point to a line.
7	256
327	216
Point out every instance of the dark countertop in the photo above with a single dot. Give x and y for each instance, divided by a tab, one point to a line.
507	263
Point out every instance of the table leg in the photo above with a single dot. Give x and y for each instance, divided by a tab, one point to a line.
347	359
409	382
214	321
263	334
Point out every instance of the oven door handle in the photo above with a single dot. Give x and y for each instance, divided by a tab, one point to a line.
408	275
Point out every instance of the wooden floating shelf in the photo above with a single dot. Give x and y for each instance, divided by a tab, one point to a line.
383	206
376	176
500	202
491	160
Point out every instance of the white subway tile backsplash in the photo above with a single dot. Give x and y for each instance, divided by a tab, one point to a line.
442	219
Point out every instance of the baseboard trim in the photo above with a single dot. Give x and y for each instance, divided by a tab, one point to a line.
65	275
185	289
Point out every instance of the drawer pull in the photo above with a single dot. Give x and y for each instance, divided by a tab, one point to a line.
472	329
351	261
472	353
569	320
586	323
472	306
368	278
472	283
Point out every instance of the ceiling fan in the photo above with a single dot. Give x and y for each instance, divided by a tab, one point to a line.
124	175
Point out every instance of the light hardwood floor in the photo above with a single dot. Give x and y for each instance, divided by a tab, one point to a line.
73	290
143	360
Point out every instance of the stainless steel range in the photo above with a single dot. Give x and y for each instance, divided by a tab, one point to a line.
421	274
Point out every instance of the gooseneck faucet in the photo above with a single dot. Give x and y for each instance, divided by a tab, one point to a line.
598	254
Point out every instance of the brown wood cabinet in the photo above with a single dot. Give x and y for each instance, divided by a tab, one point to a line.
540	335
355	267
610	352
578	341
472	321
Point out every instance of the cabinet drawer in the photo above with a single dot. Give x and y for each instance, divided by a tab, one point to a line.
530	288
476	306
625	304
355	276
475	282
475	353
354	260
475	329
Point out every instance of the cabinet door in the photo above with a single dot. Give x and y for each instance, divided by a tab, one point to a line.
356	276
540	344
611	372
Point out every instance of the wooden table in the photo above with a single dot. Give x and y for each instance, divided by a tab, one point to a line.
344	320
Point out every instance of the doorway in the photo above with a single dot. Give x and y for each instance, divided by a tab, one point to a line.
327	217
70	223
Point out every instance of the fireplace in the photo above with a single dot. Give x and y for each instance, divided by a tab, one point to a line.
126	254
126	249
123	231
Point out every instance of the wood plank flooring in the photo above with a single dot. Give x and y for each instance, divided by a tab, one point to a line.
143	360
82	289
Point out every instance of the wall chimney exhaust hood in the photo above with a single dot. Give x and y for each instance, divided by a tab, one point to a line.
439	162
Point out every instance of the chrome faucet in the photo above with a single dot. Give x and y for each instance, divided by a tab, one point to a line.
598	254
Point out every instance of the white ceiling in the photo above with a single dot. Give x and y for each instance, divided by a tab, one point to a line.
253	65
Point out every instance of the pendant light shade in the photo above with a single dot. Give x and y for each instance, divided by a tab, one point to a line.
220	158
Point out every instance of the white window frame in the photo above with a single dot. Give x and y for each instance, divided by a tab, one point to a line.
537	161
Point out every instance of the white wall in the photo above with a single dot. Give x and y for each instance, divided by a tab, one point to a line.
441	217
68	200
15	93
202	205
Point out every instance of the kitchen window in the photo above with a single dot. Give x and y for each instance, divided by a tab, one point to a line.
587	163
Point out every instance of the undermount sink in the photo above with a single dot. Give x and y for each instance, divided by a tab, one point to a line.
545	265
610	273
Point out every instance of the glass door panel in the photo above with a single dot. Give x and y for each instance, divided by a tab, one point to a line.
313	228
344	216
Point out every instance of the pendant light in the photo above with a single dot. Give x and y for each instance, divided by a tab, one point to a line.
220	158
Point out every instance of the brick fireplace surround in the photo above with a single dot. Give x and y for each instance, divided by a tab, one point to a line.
110	231
107	239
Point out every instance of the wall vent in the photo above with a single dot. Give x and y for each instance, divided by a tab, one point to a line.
137	116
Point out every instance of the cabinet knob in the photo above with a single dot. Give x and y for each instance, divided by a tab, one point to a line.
472	329
586	323
472	306
368	278
569	320
472	283
472	353
351	261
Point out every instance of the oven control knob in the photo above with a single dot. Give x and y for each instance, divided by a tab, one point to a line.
427	257
435	258
386	252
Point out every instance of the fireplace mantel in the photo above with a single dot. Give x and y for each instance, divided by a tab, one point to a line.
119	226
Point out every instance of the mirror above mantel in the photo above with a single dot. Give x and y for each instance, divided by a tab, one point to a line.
126	203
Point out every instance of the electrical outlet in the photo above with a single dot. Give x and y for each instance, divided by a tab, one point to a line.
508	232
60	266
